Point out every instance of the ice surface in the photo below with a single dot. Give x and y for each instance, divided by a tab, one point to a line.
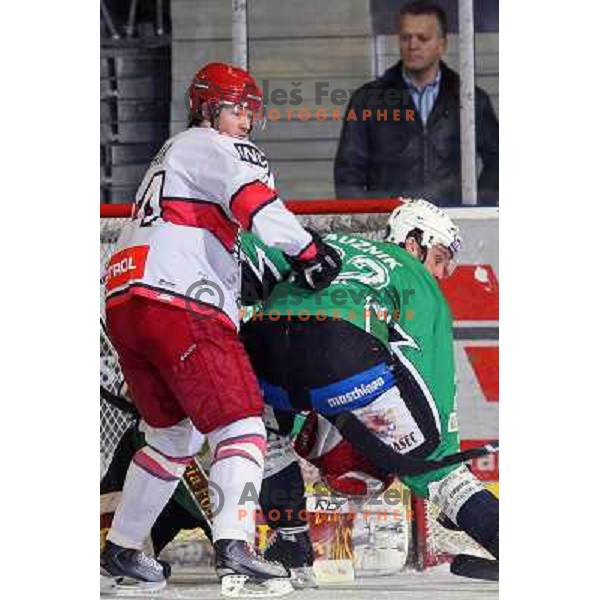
434	584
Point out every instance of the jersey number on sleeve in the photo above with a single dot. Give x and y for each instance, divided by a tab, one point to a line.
148	206
366	270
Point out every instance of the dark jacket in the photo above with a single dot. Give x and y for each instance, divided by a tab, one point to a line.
378	157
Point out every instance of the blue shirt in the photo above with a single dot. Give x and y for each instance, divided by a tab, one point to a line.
424	98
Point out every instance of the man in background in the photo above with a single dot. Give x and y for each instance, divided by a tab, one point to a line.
415	149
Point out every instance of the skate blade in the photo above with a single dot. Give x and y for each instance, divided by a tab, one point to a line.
107	584
122	587
303	578
240	586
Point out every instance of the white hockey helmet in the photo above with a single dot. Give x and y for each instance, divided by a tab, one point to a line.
434	224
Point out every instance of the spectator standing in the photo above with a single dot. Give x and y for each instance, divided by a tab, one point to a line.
405	139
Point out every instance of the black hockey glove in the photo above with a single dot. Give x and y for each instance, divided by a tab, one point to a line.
317	273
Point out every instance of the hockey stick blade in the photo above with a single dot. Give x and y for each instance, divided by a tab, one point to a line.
475	567
388	460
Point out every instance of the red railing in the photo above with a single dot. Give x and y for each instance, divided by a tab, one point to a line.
321	206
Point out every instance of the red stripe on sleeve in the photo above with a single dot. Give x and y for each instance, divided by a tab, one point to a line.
249	199
201	214
308	253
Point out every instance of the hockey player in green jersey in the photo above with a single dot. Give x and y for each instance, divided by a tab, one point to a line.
372	358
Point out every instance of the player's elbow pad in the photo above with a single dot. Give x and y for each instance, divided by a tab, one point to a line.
318	272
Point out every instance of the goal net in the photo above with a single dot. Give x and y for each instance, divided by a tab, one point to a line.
418	541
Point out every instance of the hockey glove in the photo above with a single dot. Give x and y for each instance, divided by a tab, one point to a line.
318	272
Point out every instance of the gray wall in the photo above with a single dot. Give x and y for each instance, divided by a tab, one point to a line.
299	41
134	113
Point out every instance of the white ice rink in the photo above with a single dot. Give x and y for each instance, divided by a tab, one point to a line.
434	584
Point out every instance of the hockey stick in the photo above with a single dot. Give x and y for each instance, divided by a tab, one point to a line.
118	401
390	461
475	567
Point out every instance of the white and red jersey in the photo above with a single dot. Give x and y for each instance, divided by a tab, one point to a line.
180	245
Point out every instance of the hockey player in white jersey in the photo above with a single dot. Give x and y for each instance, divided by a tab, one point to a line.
172	289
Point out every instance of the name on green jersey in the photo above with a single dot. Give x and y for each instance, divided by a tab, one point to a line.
364	246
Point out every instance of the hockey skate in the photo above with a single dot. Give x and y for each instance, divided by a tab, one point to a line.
245	574
478	567
131	573
291	546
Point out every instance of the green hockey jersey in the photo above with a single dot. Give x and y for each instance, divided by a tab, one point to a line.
382	290
389	294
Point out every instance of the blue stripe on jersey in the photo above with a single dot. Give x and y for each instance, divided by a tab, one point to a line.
353	392
276	396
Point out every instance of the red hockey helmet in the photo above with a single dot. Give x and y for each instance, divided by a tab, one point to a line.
219	84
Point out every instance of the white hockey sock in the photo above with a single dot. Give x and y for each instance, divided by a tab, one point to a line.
236	477
150	482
